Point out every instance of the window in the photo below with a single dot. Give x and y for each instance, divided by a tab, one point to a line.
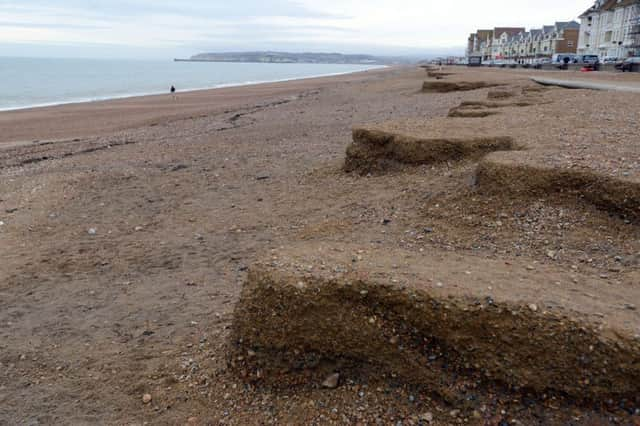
607	36
570	43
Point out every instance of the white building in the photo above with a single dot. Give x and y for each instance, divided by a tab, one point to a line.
611	28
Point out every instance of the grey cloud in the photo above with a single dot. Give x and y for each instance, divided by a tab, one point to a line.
52	25
200	8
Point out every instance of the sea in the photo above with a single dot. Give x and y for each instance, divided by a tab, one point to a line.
34	82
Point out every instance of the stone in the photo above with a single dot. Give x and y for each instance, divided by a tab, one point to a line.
146	398
332	381
533	307
426	417
92	231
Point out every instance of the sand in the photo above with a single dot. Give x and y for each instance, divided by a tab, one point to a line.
130	227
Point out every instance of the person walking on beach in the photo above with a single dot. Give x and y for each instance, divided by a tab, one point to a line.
173	92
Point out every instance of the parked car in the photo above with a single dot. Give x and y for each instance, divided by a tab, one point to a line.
539	62
497	63
588	59
610	60
629	64
564	58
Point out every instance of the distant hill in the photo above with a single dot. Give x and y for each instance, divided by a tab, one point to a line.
294	58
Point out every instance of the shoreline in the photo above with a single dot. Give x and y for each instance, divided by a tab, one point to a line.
95	118
188	90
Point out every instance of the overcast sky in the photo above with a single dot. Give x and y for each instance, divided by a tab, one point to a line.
167	28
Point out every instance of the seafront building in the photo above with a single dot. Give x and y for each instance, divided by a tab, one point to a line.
517	44
611	29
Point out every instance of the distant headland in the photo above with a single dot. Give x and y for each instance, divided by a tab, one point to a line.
293	58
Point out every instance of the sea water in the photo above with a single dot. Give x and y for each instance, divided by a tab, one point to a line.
32	82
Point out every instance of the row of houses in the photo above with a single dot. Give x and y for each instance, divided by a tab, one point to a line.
610	28
515	43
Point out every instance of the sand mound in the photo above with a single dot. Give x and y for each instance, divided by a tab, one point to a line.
461	86
534	89
494	325
500	94
497	104
477	109
438	74
522	176
471	112
385	146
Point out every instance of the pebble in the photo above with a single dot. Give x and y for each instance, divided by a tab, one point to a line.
426	417
332	381
533	307
146	398
92	231
1	223
192	420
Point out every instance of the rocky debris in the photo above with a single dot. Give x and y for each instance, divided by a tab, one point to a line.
332	381
146	398
426	417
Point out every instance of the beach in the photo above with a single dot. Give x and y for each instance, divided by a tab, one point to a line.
128	229
101	117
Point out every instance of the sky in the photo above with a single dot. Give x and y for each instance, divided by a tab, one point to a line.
181	28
